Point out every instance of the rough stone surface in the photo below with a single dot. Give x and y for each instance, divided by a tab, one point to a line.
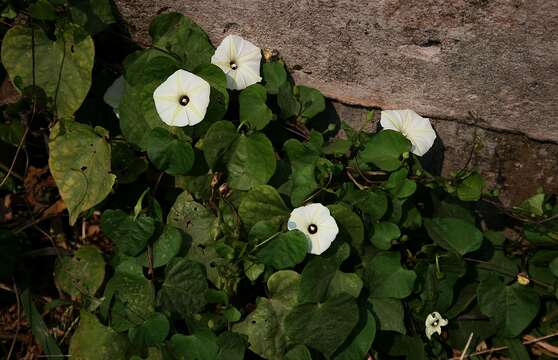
484	67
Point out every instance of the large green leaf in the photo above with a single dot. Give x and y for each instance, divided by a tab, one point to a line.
81	274
286	250
470	189
289	105
93	341
262	203
323	326
510	307
360	341
265	326
253	109
177	34
251	162
184	287
169	153
384	149
130	234
454	234
62	68
386	277
303	159
83	177
232	346
390	314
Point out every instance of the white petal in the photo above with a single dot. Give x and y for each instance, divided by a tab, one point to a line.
429	332
318	215
416	128
443	322
168	94
247	57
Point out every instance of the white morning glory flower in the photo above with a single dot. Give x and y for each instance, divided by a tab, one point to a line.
182	99
315	221
240	60
434	323
115	92
417	129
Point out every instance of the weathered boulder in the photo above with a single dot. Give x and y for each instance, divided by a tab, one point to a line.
484	66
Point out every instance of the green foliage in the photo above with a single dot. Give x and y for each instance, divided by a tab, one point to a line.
203	265
83	178
62	68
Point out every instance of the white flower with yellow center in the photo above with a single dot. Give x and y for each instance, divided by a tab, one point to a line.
315	221
240	60
182	99
417	129
434	323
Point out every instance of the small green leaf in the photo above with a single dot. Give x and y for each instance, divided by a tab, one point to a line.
350	224
43	10
38	326
399	186
166	247
384	234
470	189
81	274
232	314
12	132
384	149
284	251
253	108
93	341
303	159
323	326
454	234
93	15
289	105
125	164
169	153
179	35
263	202
386	278
344	283
152	332
83	177
299	352
533	205
311	100
62	68
274	75
511	307
201	345
337	147
184	288
130	235
251	162
217	141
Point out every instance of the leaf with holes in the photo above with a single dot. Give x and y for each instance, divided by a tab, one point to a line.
83	177
82	274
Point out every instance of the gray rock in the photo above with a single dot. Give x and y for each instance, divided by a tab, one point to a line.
484	66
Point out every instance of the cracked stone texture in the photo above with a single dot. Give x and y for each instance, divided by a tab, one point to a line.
488	67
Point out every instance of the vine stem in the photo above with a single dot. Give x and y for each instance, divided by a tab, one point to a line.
488	266
491	350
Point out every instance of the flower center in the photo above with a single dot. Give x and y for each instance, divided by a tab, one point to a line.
233	65
184	100
312	229
435	323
